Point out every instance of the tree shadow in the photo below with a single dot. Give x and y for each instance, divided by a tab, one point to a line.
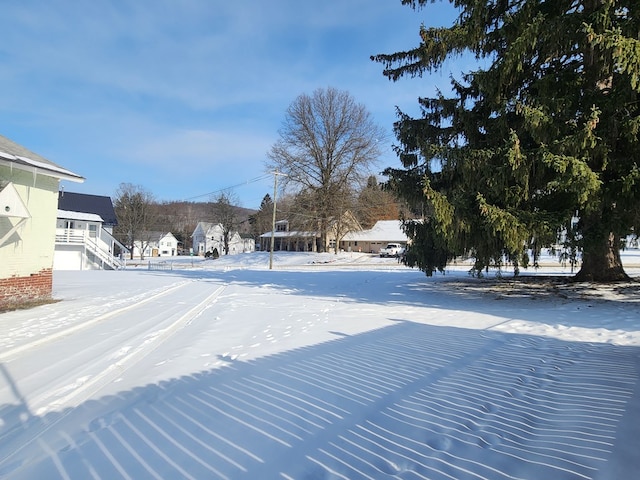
509	298
408	400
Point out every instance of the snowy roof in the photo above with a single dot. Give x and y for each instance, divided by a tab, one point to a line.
17	156
87	217
294	234
156	236
382	231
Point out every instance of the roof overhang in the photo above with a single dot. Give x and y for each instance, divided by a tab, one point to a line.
87	217
36	167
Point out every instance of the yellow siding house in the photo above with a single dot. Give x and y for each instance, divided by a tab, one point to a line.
28	207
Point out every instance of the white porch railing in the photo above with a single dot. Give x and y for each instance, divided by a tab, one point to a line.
88	239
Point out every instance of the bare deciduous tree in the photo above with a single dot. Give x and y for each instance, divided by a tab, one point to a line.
327	146
136	210
225	213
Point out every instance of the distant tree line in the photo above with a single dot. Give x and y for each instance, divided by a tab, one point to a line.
139	213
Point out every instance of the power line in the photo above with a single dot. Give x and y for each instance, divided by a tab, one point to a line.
253	180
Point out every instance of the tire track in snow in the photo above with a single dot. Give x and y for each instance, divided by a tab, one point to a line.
132	356
12	352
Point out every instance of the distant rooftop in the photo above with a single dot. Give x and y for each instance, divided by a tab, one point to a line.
382	231
84	203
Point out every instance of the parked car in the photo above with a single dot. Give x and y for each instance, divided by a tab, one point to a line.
392	250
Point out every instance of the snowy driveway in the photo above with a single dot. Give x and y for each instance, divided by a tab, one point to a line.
313	374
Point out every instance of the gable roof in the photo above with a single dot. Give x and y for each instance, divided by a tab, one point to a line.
16	156
291	234
83	203
157	236
202	227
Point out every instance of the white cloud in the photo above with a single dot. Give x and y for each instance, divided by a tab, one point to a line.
117	87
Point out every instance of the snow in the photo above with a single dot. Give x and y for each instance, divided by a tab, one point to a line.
87	217
383	231
328	366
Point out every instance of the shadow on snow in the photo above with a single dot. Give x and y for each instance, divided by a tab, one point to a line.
404	401
519	299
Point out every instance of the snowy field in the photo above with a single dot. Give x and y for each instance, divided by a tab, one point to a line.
345	367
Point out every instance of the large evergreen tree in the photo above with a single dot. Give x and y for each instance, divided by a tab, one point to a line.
261	221
546	133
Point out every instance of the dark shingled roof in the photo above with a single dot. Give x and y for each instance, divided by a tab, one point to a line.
81	202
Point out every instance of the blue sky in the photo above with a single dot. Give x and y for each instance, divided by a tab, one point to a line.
185	97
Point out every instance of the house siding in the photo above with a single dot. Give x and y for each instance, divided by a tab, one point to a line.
26	257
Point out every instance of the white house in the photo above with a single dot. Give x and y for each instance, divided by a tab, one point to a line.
29	187
372	240
84	233
208	237
156	244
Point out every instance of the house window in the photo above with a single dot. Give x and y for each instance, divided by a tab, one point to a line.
93	230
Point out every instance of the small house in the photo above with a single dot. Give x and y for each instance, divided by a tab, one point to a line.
155	244
208	237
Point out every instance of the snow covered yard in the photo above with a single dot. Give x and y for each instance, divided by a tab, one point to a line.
344	366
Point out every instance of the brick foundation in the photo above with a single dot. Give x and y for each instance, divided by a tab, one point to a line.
17	290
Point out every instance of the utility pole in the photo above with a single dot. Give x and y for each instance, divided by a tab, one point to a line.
273	219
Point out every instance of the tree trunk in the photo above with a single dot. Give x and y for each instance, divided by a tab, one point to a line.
601	262
323	234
